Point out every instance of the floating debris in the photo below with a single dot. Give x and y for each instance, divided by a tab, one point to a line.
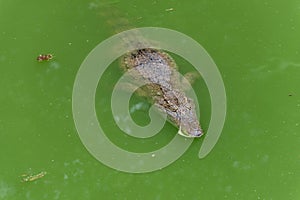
30	178
44	57
169	9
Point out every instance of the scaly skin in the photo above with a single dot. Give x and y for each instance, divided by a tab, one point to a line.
159	71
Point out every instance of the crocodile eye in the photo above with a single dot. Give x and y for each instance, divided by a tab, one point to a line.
198	134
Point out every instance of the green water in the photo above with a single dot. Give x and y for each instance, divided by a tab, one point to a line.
256	47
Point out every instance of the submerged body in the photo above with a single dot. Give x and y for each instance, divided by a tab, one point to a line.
163	87
159	72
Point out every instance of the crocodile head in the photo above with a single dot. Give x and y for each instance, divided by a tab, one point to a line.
187	120
181	111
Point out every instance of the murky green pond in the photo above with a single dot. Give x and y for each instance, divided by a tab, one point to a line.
255	44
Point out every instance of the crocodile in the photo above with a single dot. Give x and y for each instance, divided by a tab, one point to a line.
163	86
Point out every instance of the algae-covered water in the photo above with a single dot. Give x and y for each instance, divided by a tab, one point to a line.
255	45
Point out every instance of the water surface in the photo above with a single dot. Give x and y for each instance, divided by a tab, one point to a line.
256	47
